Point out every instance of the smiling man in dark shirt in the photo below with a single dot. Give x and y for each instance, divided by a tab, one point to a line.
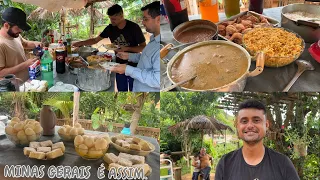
254	161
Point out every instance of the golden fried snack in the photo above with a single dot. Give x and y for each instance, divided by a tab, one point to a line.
34	145
110	158
59	145
124	162
114	165
78	140
100	143
145	146
135	147
54	154
44	149
27	150
47	143
136	140
146	168
37	155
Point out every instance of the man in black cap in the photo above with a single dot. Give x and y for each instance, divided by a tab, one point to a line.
12	56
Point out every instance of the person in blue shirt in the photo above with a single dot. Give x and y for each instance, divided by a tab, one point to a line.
126	129
147	73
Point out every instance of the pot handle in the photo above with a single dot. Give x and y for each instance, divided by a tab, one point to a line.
259	65
165	50
308	23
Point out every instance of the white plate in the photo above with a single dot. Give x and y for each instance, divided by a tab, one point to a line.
108	65
110	48
61	87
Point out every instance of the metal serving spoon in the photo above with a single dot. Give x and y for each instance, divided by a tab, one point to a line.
178	84
303	65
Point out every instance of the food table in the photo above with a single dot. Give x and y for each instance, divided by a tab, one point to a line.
12	155
271	79
71	78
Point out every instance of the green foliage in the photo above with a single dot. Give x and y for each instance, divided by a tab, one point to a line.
6	103
184	166
59	101
311	168
297	140
225	118
150	115
37	26
89	102
168	140
218	150
106	107
181	106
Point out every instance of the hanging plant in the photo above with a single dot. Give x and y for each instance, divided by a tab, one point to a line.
300	143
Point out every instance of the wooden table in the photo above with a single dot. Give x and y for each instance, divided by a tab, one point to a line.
12	155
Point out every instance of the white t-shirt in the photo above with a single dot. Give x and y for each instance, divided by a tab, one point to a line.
197	164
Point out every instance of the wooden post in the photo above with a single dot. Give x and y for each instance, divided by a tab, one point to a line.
91	21
76	99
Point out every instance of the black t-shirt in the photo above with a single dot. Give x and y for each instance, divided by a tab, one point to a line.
131	35
274	166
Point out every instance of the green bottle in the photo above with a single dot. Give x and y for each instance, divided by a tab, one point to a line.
231	7
47	67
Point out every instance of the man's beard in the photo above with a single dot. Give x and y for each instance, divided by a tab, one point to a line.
10	33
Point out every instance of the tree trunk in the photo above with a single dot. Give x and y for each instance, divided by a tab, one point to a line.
76	99
18	103
91	21
137	112
289	114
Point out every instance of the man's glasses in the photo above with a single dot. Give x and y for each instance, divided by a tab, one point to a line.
146	18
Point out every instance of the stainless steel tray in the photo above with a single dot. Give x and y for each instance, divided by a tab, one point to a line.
272	21
89	90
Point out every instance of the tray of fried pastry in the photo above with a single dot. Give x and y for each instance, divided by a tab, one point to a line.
44	150
132	145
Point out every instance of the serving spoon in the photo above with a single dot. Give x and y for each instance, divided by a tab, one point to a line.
303	65
178	84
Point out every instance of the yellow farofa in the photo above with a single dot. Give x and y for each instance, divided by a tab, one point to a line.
280	46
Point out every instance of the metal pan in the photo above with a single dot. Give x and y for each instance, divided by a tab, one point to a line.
237	85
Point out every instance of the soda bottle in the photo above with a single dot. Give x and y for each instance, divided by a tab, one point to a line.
64	41
176	11
256	6
68	38
60	58
47	67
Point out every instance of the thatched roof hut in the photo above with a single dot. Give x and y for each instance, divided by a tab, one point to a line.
208	125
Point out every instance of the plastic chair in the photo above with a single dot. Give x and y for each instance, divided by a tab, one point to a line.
169	167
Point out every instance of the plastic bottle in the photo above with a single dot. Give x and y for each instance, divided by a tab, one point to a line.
231	7
47	67
256	6
60	58
209	10
176	11
126	129
68	39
